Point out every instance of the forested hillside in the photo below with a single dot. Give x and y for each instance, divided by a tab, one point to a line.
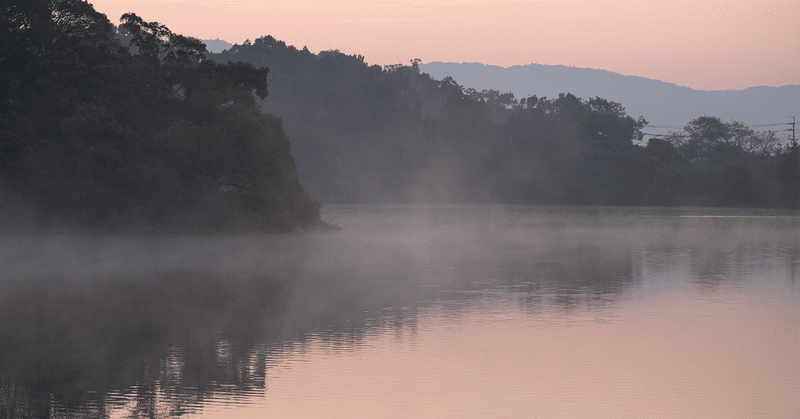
363	133
138	127
144	135
663	104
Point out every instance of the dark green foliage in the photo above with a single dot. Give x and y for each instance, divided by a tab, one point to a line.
359	132
155	43
788	176
576	151
730	165
94	130
362	133
96	136
659	175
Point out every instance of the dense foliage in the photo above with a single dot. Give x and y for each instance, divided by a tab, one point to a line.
365	133
139	126
150	133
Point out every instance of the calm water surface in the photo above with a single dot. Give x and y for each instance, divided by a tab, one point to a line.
423	311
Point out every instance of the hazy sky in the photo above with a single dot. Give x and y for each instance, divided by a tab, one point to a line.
703	44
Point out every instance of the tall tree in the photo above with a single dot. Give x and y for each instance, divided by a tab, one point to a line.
92	134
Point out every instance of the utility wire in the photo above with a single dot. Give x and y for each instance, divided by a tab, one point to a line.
749	125
769	125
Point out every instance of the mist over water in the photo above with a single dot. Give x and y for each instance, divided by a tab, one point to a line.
412	311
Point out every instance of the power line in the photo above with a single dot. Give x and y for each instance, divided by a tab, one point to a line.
769	125
749	125
793	139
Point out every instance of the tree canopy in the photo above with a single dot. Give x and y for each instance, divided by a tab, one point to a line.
136	125
363	133
150	134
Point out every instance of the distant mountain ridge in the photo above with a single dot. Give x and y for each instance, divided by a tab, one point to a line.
216	45
661	103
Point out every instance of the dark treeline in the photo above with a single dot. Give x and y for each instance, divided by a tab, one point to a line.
363	133
139	126
94	132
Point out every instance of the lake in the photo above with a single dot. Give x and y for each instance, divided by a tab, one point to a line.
426	311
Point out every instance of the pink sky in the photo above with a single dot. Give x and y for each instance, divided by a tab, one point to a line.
702	44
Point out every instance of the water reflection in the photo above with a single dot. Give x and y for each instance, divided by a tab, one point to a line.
548	258
155	342
560	309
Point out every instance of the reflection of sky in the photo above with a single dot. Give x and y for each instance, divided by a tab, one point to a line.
696	326
667	356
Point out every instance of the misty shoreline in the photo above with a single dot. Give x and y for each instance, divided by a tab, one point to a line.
329	213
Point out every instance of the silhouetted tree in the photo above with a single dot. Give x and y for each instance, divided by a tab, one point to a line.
92	134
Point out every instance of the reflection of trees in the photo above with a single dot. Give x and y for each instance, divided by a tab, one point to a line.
161	343
75	344
735	252
347	283
539	258
717	245
577	260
